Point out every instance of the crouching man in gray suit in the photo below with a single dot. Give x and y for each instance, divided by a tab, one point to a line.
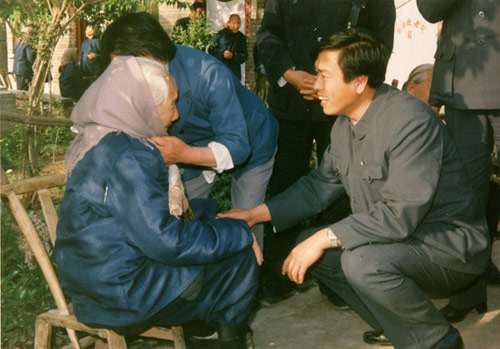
416	230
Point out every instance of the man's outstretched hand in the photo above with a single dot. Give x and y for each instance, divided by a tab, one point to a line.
304	255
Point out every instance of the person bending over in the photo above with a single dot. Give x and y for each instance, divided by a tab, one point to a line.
222	125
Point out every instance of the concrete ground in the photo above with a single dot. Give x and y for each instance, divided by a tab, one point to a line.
307	320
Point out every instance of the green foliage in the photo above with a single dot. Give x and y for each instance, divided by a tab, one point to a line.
51	143
197	35
222	192
25	294
103	13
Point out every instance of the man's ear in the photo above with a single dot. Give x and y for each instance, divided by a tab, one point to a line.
361	83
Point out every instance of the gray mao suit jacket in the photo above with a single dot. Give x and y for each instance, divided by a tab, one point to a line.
467	60
405	182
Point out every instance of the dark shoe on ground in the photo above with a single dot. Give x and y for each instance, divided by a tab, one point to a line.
453	314
200	335
270	297
235	336
452	340
376	337
336	302
492	275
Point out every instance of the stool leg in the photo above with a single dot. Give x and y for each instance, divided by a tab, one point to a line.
43	333
178	334
115	341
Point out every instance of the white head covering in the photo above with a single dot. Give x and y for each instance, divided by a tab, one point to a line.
119	101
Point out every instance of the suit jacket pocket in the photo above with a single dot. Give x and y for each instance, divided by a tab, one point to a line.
444	69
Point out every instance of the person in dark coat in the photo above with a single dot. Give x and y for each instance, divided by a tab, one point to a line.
197	11
466	81
288	32
71	83
416	230
126	259
90	54
24	58
231	45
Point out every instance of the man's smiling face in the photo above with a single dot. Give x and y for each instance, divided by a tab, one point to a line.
337	96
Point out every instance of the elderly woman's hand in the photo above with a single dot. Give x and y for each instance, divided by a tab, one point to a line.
172	149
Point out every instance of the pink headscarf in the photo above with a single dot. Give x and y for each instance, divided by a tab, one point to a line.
119	101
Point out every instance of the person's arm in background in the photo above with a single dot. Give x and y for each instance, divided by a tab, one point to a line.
30	55
217	50
240	54
224	119
96	49
379	17
436	10
273	48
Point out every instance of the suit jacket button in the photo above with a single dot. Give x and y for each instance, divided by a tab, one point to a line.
362	163
481	14
480	41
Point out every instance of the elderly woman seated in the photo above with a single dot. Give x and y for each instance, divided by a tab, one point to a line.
126	262
71	83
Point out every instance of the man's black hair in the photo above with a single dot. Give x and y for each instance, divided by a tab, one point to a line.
197	5
360	54
136	34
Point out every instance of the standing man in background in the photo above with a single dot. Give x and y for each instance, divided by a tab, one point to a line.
288	32
24	57
231	45
197	11
90	54
466	80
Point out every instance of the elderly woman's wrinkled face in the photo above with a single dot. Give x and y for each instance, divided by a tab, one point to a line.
168	111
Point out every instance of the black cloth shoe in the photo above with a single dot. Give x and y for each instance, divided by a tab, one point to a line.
200	335
452	340
376	337
492	275
336	302
235	336
453	314
270	297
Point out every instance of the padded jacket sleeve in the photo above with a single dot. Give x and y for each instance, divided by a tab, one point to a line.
139	203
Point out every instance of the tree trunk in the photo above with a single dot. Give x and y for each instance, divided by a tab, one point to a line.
3	49
45	51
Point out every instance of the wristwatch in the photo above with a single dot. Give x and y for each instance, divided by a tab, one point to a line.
333	238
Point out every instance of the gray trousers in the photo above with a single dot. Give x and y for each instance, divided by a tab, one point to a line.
390	286
247	191
474	133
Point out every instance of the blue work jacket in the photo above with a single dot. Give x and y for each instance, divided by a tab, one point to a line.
121	256
214	106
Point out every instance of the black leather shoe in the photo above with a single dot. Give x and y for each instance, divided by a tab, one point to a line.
269	299
452	340
453	314
336	302
376	337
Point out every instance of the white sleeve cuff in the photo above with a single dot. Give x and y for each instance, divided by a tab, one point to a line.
222	157
282	82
